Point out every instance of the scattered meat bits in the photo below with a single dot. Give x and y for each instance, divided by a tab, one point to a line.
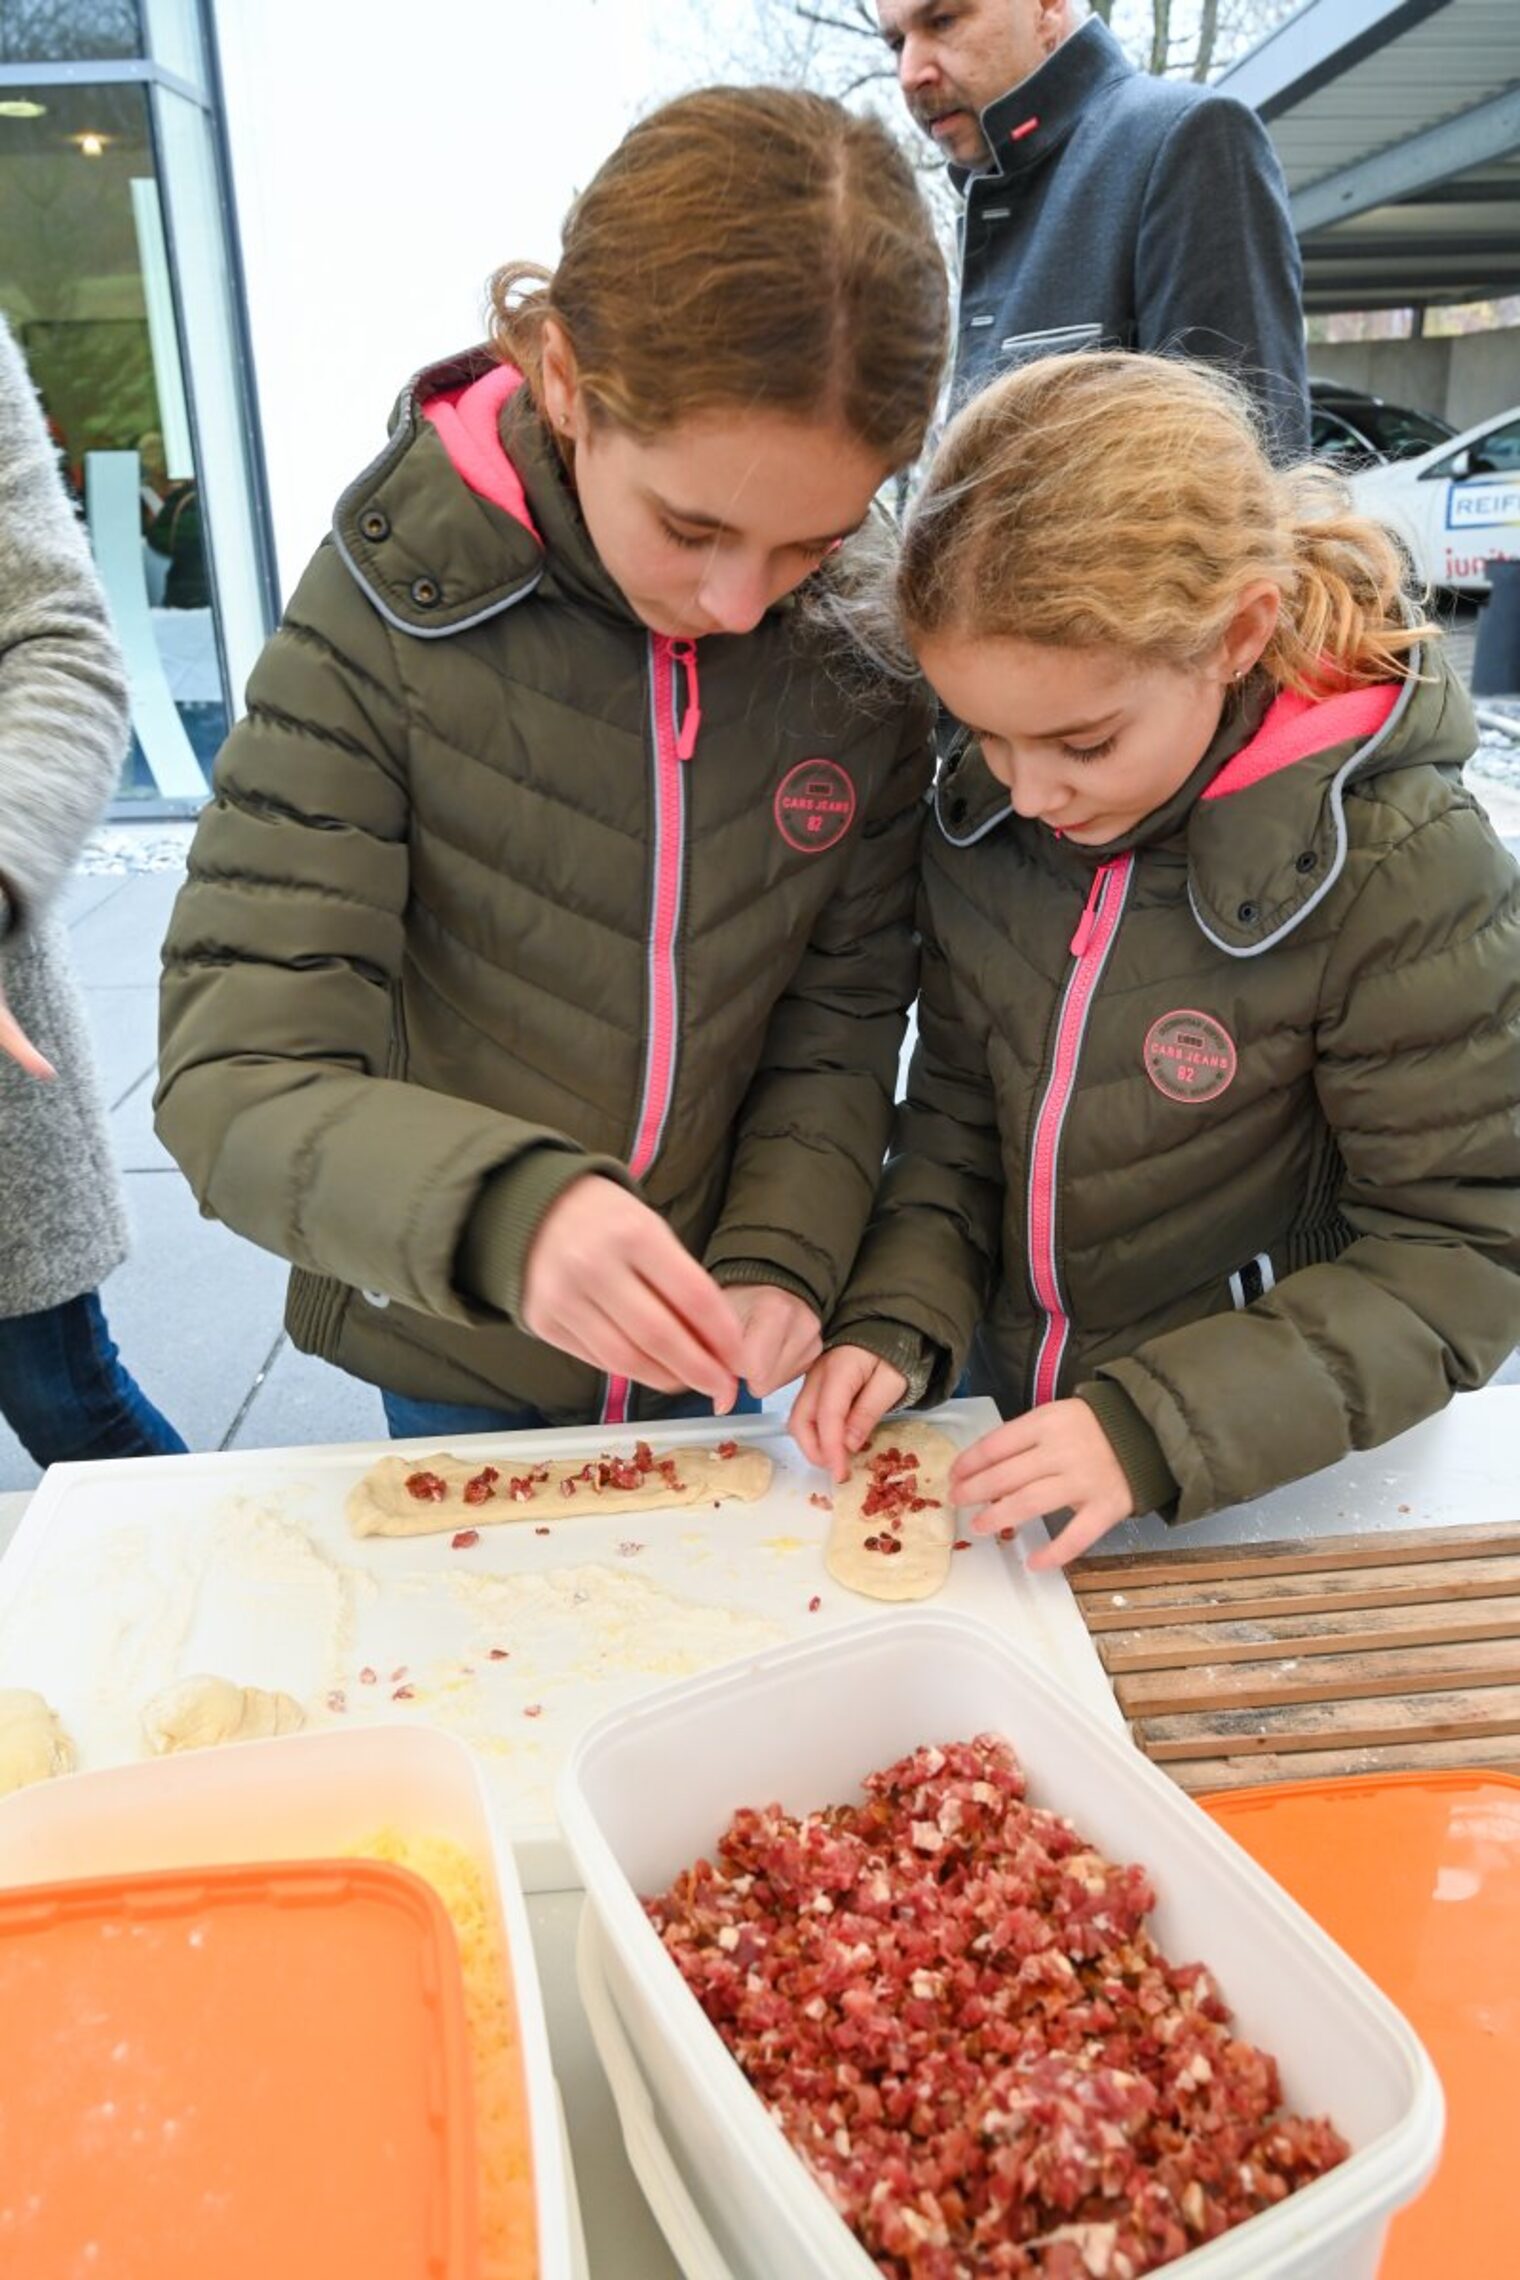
891	1490
533	1709
727	1449
337	1699
367	1677
821	1503
398	1673
403	1693
541	1531
961	1544
951	2005
428	1488
482	1487
814	1604
627	1549
465	1538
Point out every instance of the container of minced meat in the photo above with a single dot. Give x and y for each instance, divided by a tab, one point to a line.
650	1790
367	1806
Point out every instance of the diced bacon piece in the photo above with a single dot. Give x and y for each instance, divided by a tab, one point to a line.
427	1487
481	1487
464	1539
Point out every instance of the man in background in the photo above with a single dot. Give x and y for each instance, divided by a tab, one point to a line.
1103	207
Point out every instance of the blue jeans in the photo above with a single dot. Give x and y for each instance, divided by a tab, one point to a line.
65	1394
416	1420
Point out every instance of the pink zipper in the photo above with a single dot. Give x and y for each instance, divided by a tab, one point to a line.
675	716
1090	946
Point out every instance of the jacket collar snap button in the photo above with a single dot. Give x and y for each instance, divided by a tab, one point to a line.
425	592
375	524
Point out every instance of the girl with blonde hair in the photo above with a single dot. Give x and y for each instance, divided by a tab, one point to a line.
539	979
1212	1131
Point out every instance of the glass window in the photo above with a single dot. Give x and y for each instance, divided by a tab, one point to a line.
1330	438
1498	452
1400	433
85	287
68	31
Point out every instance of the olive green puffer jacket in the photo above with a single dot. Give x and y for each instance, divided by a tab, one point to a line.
497	887
1236	1155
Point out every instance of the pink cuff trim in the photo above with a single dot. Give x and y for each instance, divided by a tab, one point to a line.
1297	726
468	420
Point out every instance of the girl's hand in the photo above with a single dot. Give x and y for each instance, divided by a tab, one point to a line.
844	1399
1051	1458
607	1281
782	1334
15	1041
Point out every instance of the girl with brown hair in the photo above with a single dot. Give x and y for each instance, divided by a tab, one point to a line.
538	981
1212	1123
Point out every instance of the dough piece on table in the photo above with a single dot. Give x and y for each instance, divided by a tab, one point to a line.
33	1745
198	1713
903	1476
410	1496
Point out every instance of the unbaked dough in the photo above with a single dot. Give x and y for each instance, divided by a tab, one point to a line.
198	1713
381	1504
33	1745
922	1565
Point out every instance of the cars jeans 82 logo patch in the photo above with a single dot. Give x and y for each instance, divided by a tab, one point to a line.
814	805
1189	1055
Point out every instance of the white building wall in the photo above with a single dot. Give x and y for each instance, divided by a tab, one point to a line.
386	157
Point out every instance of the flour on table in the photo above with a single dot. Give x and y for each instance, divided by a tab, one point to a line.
612	1624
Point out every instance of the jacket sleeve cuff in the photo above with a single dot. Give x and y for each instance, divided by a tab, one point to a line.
729	1271
906	1350
1152	1482
493	1251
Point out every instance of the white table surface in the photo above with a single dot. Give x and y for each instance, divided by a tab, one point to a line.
1458	1469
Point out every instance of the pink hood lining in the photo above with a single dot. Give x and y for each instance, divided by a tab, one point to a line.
468	421
1297	726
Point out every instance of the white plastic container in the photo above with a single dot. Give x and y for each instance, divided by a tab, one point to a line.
305	1795
651	1787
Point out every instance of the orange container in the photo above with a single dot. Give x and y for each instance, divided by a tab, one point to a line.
1417	1875
247	2072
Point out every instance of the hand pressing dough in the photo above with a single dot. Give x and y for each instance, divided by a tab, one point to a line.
409	1496
198	1713
858	1553
33	1745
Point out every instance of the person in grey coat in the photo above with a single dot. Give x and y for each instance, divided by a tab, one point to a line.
1104	208
63	732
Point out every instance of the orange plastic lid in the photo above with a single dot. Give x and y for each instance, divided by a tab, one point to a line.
259	2073
1417	1875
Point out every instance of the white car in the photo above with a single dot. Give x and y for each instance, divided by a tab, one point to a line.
1456	508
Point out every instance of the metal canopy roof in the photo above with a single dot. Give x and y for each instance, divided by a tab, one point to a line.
1398	126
